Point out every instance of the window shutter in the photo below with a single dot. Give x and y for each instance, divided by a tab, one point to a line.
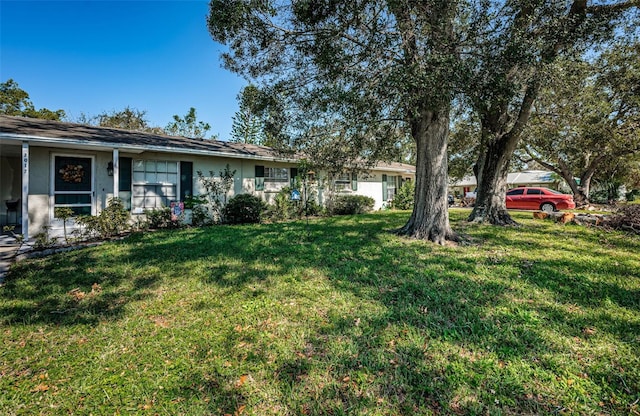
354	181
186	180
125	174
259	178
385	194
292	179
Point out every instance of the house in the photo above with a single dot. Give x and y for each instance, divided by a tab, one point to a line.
542	178
47	164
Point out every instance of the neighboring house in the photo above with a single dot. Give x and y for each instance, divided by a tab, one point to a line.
47	164
467	185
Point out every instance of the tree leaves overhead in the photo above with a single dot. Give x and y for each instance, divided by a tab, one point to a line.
353	69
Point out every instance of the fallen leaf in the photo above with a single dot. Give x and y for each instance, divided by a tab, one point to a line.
240	410
242	380
40	388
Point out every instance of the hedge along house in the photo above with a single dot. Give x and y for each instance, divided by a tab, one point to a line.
48	164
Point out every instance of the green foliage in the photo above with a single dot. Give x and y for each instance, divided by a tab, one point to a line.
114	219
15	101
42	240
244	209
283	208
215	195
63	213
403	198
248	122
351	204
188	126
129	119
161	218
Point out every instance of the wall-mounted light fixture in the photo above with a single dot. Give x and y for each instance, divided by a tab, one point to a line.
110	168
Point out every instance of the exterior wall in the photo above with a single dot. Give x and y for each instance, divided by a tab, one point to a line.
41	181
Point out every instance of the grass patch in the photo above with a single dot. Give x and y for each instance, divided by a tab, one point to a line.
335	317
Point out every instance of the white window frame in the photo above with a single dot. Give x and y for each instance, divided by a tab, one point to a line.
153	181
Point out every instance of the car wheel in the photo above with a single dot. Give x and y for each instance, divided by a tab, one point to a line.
547	207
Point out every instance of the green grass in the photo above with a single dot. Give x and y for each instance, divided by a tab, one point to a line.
339	317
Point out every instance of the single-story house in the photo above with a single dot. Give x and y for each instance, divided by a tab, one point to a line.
515	179
47	164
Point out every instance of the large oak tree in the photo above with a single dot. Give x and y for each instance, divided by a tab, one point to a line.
514	44
356	73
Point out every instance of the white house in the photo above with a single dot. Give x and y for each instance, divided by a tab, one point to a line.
47	164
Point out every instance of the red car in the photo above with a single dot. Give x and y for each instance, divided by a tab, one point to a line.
536	198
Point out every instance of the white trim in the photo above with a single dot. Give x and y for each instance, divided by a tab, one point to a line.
25	189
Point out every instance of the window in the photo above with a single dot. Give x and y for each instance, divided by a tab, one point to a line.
276	174
155	183
271	179
515	192
534	192
346	181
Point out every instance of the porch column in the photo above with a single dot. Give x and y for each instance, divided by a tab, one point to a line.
116	173
25	190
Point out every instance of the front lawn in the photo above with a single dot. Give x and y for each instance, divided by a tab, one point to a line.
336	317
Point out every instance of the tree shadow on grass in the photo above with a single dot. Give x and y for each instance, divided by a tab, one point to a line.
445	332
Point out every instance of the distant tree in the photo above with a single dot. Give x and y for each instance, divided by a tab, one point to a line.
188	126
15	101
586	121
248	122
129	119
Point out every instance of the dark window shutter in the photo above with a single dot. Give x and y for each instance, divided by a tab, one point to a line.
354	181
259	178
125	174
385	193
186	180
293	174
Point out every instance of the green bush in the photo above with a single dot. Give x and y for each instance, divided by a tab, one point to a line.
114	219
404	197
244	209
352	204
283	208
161	218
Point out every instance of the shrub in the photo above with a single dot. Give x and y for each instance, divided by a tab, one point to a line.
114	219
244	209
404	197
352	204
161	218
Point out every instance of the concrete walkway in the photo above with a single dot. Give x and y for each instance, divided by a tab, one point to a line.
8	250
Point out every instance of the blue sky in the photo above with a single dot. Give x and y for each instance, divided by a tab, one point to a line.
96	56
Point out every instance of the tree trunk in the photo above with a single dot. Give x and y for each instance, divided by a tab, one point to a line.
492	169
430	217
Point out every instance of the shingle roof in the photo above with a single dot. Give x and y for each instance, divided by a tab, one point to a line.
52	132
47	129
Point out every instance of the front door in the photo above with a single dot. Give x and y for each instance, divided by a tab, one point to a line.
73	185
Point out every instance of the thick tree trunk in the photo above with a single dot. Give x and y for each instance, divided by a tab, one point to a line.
430	217
492	169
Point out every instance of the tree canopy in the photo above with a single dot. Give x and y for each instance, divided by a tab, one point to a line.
189	126
587	117
355	78
15	101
